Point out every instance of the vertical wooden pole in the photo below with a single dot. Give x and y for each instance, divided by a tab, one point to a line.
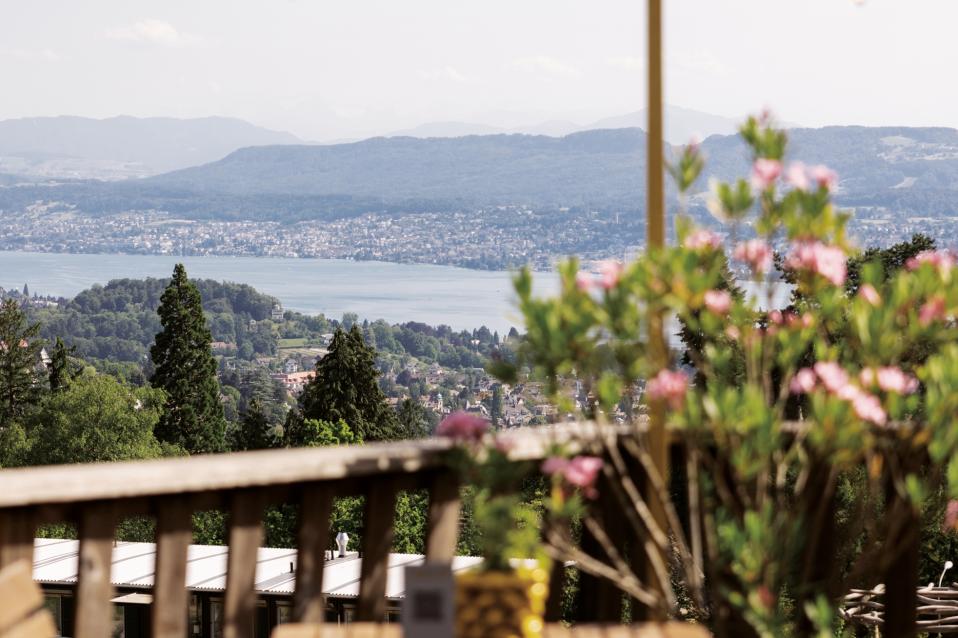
655	238
314	512
174	533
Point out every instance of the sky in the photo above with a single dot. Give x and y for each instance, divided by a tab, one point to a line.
340	69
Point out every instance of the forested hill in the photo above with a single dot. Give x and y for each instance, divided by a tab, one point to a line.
119	321
908	170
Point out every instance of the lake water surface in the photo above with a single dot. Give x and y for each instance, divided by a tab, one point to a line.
458	297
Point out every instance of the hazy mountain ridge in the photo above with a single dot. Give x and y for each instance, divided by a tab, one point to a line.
681	125
908	170
123	146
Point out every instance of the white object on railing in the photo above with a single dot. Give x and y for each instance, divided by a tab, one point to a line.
342	541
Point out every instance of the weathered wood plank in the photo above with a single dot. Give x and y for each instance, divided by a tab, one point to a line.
39	625
20	597
245	537
444	507
17	527
224	472
94	612
377	539
174	533
309	605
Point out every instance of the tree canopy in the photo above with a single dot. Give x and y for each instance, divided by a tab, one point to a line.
186	370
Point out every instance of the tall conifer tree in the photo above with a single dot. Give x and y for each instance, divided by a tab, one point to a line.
19	362
185	369
346	387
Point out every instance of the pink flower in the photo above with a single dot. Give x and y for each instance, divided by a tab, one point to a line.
824	177
889	379
610	272
832	375
582	472
868	408
827	261
950	522
702	239
462	427
764	172
718	301
776	317
869	294
796	176
583	281
932	310
553	465
668	386
940	259
756	253
803	382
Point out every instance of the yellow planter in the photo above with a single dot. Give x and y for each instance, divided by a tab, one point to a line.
501	604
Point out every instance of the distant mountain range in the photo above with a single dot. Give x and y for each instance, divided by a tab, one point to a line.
907	170
118	147
681	125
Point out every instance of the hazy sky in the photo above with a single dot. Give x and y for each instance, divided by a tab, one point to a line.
327	69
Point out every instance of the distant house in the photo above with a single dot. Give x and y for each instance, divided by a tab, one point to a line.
294	382
223	347
277	313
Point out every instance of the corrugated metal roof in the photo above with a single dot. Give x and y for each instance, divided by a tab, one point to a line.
55	562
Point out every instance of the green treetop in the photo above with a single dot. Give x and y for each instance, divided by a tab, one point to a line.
346	388
185	369
20	378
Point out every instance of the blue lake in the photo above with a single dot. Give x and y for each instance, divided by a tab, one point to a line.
458	297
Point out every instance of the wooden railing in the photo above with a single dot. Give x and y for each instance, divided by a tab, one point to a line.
97	497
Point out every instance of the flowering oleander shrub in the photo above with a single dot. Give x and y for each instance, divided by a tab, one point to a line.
781	411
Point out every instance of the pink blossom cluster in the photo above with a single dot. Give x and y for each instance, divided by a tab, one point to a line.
463	427
718	301
579	472
814	256
943	260
764	172
835	380
791	319
669	386
869	294
800	176
950	522
889	379
610	272
756	253
932	310
701	239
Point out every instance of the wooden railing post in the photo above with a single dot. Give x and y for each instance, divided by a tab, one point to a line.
245	537
174	532
376	542
444	507
94	611
17	528
314	512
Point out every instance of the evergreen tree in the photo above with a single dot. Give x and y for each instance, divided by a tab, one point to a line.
20	383
185	369
345	388
495	410
254	431
61	370
412	420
